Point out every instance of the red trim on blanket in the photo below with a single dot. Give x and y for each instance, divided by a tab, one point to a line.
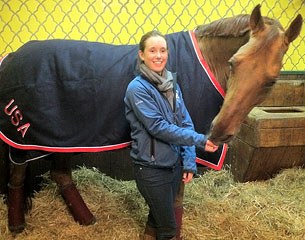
221	92
2	58
63	149
220	162
205	65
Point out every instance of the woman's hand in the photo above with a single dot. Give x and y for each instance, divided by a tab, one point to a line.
210	147
187	177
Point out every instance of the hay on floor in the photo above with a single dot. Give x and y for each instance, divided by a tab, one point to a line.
216	207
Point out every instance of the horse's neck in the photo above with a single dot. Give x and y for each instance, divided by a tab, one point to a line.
217	51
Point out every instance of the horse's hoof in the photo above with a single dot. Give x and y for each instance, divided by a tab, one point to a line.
16	229
92	221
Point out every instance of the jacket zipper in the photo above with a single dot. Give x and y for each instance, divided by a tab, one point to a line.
152	142
152	149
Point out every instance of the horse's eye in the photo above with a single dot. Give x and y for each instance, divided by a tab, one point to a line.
231	65
270	83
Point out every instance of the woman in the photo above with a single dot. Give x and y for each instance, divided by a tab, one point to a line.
164	139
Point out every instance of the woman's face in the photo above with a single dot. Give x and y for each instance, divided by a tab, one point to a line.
155	53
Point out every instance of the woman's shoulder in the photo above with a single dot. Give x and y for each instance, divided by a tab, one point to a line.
138	82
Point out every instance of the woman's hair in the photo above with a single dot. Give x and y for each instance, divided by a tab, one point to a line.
153	33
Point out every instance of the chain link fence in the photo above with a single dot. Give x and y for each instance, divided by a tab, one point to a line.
124	21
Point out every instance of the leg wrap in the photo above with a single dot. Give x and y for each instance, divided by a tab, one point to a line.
76	205
15	203
178	216
179	210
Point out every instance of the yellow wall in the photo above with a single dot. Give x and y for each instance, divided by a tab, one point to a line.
124	21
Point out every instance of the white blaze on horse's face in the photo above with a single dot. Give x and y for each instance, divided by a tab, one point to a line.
254	69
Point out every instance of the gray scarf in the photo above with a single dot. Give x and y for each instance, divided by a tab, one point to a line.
163	82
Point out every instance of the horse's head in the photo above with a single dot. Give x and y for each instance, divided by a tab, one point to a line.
254	69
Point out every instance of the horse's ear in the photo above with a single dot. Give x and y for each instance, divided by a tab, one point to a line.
256	19
294	29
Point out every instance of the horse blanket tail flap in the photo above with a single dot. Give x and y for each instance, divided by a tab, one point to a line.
67	95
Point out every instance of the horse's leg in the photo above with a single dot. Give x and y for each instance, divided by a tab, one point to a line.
179	210
16	198
62	175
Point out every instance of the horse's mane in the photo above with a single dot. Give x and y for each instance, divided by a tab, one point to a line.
230	27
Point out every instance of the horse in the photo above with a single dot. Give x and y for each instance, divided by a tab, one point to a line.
60	96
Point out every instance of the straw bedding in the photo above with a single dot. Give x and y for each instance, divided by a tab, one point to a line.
216	207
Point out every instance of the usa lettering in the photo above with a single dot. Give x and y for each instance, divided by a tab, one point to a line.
16	117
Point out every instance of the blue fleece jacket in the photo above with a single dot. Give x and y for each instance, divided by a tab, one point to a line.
159	134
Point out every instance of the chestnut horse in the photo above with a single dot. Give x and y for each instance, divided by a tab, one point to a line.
245	55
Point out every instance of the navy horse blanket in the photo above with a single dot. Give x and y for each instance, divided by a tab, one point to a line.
67	95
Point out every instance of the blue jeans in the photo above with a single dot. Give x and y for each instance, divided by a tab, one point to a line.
159	187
